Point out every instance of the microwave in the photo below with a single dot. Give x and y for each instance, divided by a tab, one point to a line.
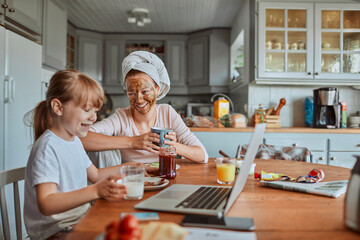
200	109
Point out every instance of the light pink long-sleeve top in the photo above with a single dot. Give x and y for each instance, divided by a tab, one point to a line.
121	123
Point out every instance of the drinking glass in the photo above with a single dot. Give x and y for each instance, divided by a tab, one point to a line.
134	181
225	169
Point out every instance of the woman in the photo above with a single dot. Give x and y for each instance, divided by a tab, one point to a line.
128	129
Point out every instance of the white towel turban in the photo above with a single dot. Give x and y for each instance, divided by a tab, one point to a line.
150	64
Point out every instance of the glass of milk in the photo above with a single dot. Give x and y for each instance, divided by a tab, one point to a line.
134	181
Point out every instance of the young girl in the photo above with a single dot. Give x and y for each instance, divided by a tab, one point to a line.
56	191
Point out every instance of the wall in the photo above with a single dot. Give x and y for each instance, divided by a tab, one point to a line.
292	114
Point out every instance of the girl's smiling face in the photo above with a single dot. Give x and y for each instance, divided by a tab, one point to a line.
77	120
142	92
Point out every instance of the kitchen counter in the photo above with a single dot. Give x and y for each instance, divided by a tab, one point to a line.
282	130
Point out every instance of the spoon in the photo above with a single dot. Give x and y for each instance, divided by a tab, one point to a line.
223	154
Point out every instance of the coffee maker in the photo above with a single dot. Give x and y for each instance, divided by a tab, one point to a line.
327	108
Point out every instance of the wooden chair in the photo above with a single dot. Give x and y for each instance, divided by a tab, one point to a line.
6	177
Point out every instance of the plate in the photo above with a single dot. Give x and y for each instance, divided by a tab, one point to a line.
156	165
157	183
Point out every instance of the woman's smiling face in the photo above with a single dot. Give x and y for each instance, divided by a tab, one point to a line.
142	92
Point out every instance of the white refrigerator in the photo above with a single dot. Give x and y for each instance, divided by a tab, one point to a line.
20	91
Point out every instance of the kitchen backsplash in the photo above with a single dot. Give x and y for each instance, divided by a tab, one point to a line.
292	114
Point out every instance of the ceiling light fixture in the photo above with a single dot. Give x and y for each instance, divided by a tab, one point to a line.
139	16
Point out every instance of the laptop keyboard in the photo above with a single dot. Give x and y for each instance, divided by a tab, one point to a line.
205	198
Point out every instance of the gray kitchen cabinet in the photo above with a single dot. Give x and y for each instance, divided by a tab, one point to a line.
24	14
54	34
308	43
175	64
91	56
209	61
327	148
114	55
342	149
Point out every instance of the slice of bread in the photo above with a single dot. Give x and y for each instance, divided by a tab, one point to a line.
162	231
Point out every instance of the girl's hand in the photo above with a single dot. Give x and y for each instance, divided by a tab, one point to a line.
146	142
109	188
170	139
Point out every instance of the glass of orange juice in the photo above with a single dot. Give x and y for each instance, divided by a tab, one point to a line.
225	169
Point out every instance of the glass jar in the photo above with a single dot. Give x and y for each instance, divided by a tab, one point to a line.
167	162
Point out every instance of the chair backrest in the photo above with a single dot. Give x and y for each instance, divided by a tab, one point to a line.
107	158
12	176
293	153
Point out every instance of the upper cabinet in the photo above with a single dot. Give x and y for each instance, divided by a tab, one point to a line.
175	62
114	54
54	35
25	14
90	60
308	43
209	61
170	49
337	44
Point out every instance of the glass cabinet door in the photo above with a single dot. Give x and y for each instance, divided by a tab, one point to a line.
337	40
285	34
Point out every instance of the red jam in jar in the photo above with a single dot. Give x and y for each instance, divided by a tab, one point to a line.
167	162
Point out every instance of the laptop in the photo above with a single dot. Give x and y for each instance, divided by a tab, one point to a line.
205	199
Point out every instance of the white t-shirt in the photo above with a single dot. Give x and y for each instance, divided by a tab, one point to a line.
54	160
121	123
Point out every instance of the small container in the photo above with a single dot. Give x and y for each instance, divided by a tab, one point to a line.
239	164
268	45
167	162
221	107
277	45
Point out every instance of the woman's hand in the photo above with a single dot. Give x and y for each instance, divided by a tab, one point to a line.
170	139
146	142
109	188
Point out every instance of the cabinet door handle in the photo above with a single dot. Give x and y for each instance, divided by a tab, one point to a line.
295	144
357	145
4	5
12	85
11	10
7	97
309	73
333	158
316	73
321	158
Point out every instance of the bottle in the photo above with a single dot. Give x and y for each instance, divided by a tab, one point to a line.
343	115
221	107
352	200
309	109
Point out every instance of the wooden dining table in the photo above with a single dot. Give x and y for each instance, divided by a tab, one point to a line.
278	214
